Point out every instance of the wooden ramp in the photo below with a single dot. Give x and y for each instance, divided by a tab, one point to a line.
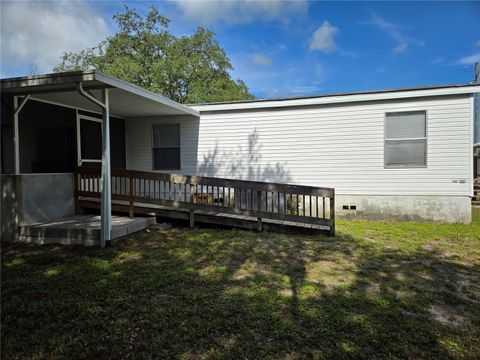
205	217
227	202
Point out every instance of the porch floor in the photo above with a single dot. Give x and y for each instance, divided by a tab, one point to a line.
80	229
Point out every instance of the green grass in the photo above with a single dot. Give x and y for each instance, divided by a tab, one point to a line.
376	290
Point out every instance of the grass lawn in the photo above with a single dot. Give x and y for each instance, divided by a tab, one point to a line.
376	290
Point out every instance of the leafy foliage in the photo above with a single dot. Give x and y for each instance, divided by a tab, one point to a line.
186	69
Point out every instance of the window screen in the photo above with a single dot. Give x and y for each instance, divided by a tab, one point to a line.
166	147
91	139
405	139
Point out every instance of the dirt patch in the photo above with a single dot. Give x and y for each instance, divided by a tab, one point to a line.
287	292
427	247
250	269
332	274
441	313
446	316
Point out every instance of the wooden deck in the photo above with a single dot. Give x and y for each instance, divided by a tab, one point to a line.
227	202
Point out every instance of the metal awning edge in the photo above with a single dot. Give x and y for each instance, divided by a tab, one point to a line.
137	90
65	82
28	83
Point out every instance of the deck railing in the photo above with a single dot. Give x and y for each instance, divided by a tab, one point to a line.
262	200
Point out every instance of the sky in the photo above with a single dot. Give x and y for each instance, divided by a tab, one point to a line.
279	48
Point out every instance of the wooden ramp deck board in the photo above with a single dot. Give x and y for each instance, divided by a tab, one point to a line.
80	229
207	217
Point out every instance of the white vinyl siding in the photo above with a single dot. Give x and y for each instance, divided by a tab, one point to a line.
340	145
139	142
406	139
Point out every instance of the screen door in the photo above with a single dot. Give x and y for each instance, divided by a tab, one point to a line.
89	141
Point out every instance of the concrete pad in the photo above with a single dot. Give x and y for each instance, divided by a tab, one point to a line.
80	229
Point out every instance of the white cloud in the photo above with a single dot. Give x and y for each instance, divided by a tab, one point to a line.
323	38
400	48
261	59
240	11
292	90
318	70
470	60
403	42
35	34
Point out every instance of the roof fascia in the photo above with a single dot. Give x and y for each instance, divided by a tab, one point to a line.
339	99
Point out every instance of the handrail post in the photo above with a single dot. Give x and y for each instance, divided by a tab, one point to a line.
76	188
259	209
131	211
192	211
476	168
332	213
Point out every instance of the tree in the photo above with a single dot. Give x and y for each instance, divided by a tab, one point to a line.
187	69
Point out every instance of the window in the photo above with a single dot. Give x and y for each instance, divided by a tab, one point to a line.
405	139
166	147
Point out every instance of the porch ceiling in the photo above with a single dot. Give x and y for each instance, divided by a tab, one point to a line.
126	100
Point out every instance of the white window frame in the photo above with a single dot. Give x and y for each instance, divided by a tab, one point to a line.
385	140
79	139
160	147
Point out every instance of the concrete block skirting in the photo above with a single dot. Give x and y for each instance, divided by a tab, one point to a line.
446	209
33	198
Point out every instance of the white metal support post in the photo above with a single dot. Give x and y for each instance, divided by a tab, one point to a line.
106	213
106	201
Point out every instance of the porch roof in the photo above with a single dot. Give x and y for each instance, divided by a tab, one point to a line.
126	100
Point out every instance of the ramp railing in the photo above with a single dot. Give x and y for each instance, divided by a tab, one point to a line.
261	200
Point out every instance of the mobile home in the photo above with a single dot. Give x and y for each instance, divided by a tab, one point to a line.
392	154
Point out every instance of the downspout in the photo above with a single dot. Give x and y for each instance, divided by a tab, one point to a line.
476	119
106	202
476	107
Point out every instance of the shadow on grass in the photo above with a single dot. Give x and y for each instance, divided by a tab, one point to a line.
234	294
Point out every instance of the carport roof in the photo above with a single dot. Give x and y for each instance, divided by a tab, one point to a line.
126	100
